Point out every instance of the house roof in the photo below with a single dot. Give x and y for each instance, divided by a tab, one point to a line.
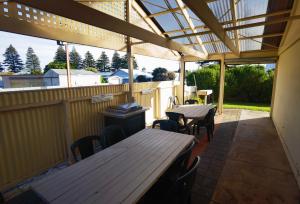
124	73
73	72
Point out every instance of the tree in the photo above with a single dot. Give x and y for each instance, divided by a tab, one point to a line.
91	69
102	63
55	65
142	78
1	68
171	76
88	60
32	62
12	60
116	61
160	74
60	55
124	62
75	59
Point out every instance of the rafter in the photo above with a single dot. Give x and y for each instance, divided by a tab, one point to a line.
233	10
81	13
243	38
185	13
166	11
203	12
278	13
263	23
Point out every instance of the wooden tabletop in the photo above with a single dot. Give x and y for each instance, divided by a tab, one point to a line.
121	173
192	111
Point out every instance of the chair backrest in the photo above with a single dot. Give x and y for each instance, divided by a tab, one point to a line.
168	125
191	101
210	115
184	184
111	135
1	198
179	166
177	117
85	146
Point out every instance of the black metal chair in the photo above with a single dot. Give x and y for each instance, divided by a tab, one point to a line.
191	101
111	135
208	123
180	120
168	125
85	146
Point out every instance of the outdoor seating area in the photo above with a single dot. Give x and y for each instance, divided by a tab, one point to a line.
150	142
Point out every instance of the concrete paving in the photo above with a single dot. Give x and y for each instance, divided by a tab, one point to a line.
256	168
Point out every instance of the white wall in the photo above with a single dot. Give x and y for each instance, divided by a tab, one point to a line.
80	80
286	112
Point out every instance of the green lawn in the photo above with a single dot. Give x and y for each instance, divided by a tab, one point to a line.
247	106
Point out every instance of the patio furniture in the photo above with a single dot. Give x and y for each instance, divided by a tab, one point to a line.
168	125
111	135
173	101
180	120
184	184
178	192
1	198
180	165
208	122
131	122
190	101
85	147
121	173
27	197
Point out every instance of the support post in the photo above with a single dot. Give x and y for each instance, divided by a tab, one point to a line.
129	54
68	129
181	79
274	89
68	66
221	87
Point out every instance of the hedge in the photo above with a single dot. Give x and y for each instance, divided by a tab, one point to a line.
248	83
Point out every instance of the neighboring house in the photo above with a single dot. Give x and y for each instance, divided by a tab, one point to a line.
1	82
105	75
123	74
20	81
58	77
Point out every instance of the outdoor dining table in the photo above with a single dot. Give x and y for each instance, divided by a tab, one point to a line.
193	112
121	173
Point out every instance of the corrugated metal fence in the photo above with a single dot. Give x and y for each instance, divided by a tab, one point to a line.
34	125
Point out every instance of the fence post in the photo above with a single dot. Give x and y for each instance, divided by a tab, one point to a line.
68	129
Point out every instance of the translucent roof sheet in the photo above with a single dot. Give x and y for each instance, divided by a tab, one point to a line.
222	11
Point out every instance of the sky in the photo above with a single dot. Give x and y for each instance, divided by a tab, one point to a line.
45	50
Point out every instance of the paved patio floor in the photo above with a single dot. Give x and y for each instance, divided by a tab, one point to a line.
245	163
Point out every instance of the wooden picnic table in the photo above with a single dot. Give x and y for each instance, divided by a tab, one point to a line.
121	173
193	112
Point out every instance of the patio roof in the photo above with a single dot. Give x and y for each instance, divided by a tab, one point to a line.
160	28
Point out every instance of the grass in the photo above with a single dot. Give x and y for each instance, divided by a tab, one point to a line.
247	106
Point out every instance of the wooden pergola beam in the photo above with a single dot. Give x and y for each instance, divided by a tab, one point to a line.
190	23
201	9
285	19
233	9
243	38
81	13
278	13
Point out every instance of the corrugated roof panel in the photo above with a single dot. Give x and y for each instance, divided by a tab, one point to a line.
221	10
